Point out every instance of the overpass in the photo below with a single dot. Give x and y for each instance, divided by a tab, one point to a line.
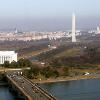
26	89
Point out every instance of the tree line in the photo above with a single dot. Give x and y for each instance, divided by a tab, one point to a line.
19	64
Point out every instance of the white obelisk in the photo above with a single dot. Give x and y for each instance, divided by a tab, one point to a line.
73	29
98	30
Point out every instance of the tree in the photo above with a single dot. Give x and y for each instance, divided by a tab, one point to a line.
49	72
90	51
32	73
14	64
66	71
55	62
24	63
6	64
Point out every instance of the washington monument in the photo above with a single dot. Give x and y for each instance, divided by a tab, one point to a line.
73	29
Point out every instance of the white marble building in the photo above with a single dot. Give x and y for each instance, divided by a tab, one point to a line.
8	56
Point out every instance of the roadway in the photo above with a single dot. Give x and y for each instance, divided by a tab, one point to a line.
32	90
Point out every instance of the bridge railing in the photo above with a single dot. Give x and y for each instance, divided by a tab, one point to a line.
21	90
46	93
41	90
35	87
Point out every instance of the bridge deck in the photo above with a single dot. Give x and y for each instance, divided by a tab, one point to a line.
31	90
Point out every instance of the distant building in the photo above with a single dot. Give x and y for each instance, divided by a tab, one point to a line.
16	31
98	30
8	56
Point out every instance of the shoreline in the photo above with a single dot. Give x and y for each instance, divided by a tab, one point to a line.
62	79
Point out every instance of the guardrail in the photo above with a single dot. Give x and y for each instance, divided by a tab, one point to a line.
41	90
36	87
24	93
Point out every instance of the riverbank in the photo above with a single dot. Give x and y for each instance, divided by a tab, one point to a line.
62	79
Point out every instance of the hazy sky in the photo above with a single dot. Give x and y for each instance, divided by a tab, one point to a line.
48	14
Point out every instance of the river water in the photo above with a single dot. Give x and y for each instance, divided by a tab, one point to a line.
5	94
75	90
70	90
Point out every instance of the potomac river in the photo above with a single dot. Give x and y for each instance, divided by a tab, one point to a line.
70	90
5	94
75	90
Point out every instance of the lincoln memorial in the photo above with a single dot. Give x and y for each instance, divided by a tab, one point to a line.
8	56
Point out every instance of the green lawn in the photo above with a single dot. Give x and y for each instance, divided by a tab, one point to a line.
69	53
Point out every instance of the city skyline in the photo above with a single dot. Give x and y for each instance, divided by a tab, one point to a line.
48	15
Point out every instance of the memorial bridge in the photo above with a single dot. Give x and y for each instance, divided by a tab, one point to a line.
24	89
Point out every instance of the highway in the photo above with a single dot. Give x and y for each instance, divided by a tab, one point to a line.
31	90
